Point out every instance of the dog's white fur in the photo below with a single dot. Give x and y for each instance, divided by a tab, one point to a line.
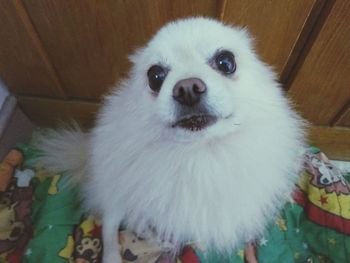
217	186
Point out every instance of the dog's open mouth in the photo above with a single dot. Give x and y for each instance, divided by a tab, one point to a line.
195	122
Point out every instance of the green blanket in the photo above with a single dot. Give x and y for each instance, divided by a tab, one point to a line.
43	222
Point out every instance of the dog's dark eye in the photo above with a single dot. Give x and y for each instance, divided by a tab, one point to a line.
225	62
156	75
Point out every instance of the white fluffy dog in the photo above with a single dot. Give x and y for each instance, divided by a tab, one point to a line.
198	144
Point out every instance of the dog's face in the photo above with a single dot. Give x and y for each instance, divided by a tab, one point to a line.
198	76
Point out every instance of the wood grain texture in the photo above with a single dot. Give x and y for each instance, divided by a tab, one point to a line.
53	112
335	142
78	49
89	41
321	86
318	14
24	64
344	119
275	24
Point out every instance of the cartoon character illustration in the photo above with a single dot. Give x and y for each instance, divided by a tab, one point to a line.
85	245
328	173
89	249
12	160
136	249
15	229
5	198
325	175
10	228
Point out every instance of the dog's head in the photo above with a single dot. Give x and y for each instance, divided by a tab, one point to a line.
199	76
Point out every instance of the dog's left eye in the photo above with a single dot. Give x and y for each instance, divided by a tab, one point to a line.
225	62
156	76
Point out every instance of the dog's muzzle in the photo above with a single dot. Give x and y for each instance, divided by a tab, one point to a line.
195	122
189	95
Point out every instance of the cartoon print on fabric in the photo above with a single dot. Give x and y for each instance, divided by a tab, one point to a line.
324	193
137	249
11	229
281	223
317	223
189	255
149	250
88	243
88	248
325	175
68	249
53	187
85	245
15	226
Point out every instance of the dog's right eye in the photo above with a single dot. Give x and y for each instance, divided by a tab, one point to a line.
156	76
225	62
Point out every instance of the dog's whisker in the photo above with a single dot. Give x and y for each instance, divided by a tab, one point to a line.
259	101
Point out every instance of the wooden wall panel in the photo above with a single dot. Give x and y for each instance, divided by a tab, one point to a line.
276	25
89	40
335	142
53	112
73	51
24	65
321	86
344	119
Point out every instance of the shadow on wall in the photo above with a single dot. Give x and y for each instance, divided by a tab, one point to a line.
3	93
15	127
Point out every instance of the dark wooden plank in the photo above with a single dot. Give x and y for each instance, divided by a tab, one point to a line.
89	40
275	24
344	118
335	142
315	19
53	112
321	86
24	64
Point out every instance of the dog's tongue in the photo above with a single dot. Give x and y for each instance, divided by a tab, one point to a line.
196	123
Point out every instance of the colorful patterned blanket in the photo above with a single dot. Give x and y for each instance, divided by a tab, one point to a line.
41	221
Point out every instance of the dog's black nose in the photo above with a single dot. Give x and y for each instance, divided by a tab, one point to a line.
189	91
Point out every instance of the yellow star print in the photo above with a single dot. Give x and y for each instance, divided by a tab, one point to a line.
281	224
41	174
332	241
240	253
67	251
53	187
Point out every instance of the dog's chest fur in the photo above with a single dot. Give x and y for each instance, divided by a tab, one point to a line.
216	194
